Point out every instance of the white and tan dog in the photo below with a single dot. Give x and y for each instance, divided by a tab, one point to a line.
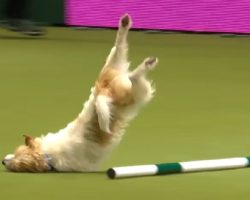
115	99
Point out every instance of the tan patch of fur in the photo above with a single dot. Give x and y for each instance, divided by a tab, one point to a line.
28	159
109	85
29	163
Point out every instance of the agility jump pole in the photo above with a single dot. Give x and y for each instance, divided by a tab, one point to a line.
178	167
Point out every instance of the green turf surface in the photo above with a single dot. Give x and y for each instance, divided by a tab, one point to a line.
201	111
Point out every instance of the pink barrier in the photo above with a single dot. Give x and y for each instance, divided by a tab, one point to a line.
183	15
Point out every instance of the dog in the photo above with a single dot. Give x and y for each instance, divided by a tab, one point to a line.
83	144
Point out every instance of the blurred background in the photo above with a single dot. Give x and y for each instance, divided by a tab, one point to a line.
46	11
169	15
51	52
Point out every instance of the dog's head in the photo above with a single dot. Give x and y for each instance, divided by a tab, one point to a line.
27	158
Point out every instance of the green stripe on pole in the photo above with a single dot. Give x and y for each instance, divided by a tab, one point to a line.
248	158
168	168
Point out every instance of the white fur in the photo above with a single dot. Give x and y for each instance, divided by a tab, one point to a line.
71	151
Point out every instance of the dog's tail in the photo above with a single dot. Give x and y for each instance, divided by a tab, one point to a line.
103	109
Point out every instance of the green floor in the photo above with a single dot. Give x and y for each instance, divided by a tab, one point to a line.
201	111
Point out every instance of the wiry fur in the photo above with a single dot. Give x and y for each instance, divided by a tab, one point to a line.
115	99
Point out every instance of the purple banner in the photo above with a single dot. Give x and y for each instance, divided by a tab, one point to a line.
180	15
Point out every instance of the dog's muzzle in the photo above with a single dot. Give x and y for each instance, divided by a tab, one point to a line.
7	159
3	162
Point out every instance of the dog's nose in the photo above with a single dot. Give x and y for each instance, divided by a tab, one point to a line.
3	162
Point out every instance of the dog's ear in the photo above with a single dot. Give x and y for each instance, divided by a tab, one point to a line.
29	141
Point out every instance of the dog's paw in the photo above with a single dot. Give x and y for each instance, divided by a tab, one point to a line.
125	21
150	62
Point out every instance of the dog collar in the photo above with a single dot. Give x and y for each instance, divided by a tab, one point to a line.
48	160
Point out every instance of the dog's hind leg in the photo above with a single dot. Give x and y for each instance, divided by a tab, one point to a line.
118	55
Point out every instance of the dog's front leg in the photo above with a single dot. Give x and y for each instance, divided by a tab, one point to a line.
142	88
147	65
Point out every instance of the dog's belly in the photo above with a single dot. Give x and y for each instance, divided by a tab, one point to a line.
80	146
